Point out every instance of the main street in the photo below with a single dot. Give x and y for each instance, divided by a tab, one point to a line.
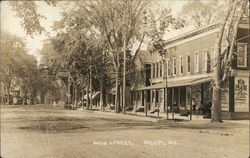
41	131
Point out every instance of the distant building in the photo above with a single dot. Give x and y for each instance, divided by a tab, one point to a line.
15	96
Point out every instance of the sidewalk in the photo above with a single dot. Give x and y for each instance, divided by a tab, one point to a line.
150	117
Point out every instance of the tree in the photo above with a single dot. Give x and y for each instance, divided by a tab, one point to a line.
17	64
115	23
200	13
228	29
30	18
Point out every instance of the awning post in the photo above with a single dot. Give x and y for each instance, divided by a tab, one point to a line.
172	103
191	97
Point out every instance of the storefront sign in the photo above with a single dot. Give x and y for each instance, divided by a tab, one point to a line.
241	94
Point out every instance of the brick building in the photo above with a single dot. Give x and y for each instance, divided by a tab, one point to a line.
187	72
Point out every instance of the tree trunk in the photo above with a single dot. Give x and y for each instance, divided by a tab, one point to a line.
90	83
216	107
117	92
121	97
87	93
76	99
101	95
8	95
69	94
32	100
42	97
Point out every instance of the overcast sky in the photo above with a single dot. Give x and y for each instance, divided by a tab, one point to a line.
12	24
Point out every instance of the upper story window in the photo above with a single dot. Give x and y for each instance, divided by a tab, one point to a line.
168	67
188	63
181	65
174	66
160	69
212	58
241	54
196	62
157	70
204	60
153	70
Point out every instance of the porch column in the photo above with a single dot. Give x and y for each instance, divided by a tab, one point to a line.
155	96
151	98
179	98
166	101
144	93
142	97
202	94
191	97
159	102
172	103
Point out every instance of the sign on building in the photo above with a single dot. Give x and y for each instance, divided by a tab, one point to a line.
241	94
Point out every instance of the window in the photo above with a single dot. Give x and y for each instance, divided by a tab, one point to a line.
209	61
188	63
204	60
212	58
181	65
157	70
160	69
153	70
168	68
196	62
174	66
241	54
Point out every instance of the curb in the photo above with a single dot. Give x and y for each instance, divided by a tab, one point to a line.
127	115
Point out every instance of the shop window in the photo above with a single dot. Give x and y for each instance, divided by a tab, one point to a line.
241	54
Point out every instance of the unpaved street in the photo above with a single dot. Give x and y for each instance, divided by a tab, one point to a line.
51	132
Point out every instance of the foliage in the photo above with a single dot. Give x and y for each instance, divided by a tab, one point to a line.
30	18
200	13
17	65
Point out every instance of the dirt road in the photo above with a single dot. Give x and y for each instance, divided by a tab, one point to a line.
50	132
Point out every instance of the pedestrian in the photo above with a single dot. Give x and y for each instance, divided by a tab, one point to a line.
54	103
194	104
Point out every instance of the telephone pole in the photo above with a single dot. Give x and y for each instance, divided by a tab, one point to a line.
124	77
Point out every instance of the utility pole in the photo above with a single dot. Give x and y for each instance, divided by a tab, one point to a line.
172	103
124	76
166	86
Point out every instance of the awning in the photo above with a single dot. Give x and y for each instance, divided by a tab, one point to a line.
94	94
189	82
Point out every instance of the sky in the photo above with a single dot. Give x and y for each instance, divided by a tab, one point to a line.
11	24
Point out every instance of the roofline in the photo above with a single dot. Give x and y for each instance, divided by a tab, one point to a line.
212	26
193	33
